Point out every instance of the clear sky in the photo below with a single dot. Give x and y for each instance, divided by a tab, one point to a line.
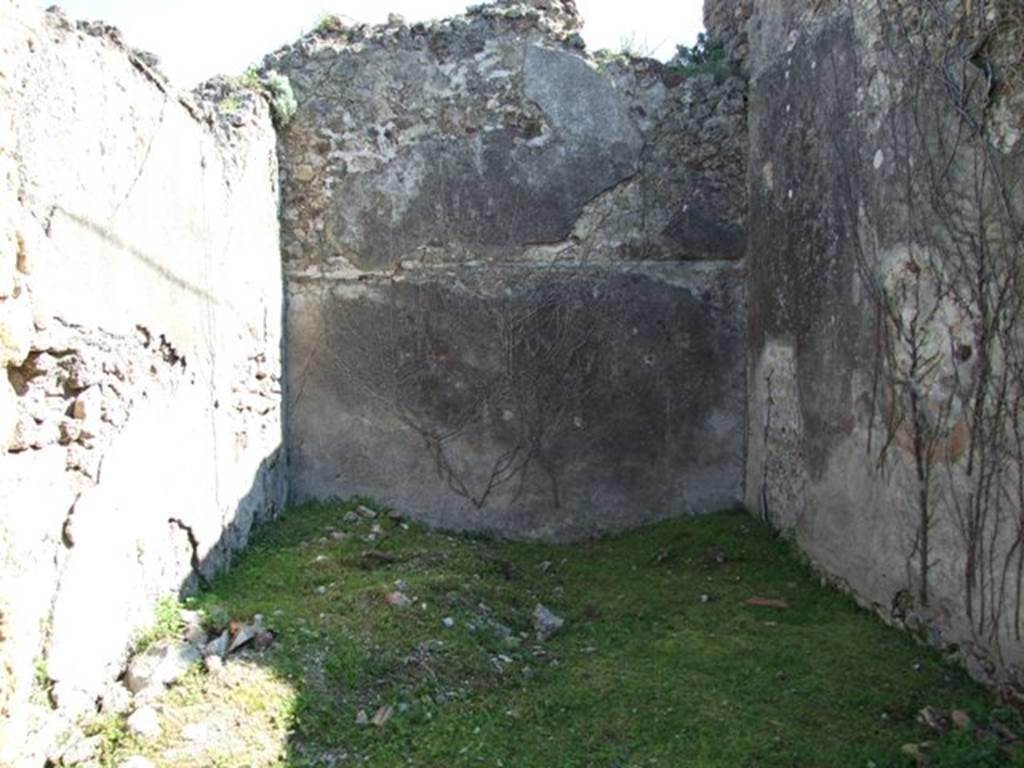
196	39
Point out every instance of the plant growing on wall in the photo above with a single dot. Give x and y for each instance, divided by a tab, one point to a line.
410	348
705	56
940	249
282	99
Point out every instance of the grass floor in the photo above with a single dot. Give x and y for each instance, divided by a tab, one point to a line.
661	662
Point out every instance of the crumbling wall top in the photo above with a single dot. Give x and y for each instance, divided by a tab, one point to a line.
726	24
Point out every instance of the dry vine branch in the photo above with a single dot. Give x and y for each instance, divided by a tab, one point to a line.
408	347
940	248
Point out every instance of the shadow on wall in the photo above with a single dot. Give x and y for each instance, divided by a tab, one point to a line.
261	503
159	269
130	575
145	466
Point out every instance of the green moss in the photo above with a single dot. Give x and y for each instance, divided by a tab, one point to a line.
644	673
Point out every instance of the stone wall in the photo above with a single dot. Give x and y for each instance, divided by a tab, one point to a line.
726	24
140	317
515	284
883	402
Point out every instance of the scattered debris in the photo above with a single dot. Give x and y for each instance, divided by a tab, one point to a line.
502	631
1012	696
509	571
241	634
373	559
195	635
545	623
382	716
214	664
161	664
768	602
508	641
263	640
145	722
236	636
81	749
193	624
115	699
218	646
916	751
1008	741
961	720
714	556
1002	732
934	719
398	599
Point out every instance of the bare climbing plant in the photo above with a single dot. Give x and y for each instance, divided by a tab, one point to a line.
407	346
940	252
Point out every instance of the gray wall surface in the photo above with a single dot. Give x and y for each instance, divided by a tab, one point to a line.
860	327
525	290
514	296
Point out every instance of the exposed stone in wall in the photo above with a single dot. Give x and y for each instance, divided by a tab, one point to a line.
864	329
517	302
513	303
140	314
547	149
726	22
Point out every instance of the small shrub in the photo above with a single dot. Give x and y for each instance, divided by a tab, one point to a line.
282	99
250	79
703	57
635	48
329	24
230	104
41	681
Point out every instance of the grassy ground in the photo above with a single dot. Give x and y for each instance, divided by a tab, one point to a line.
644	673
